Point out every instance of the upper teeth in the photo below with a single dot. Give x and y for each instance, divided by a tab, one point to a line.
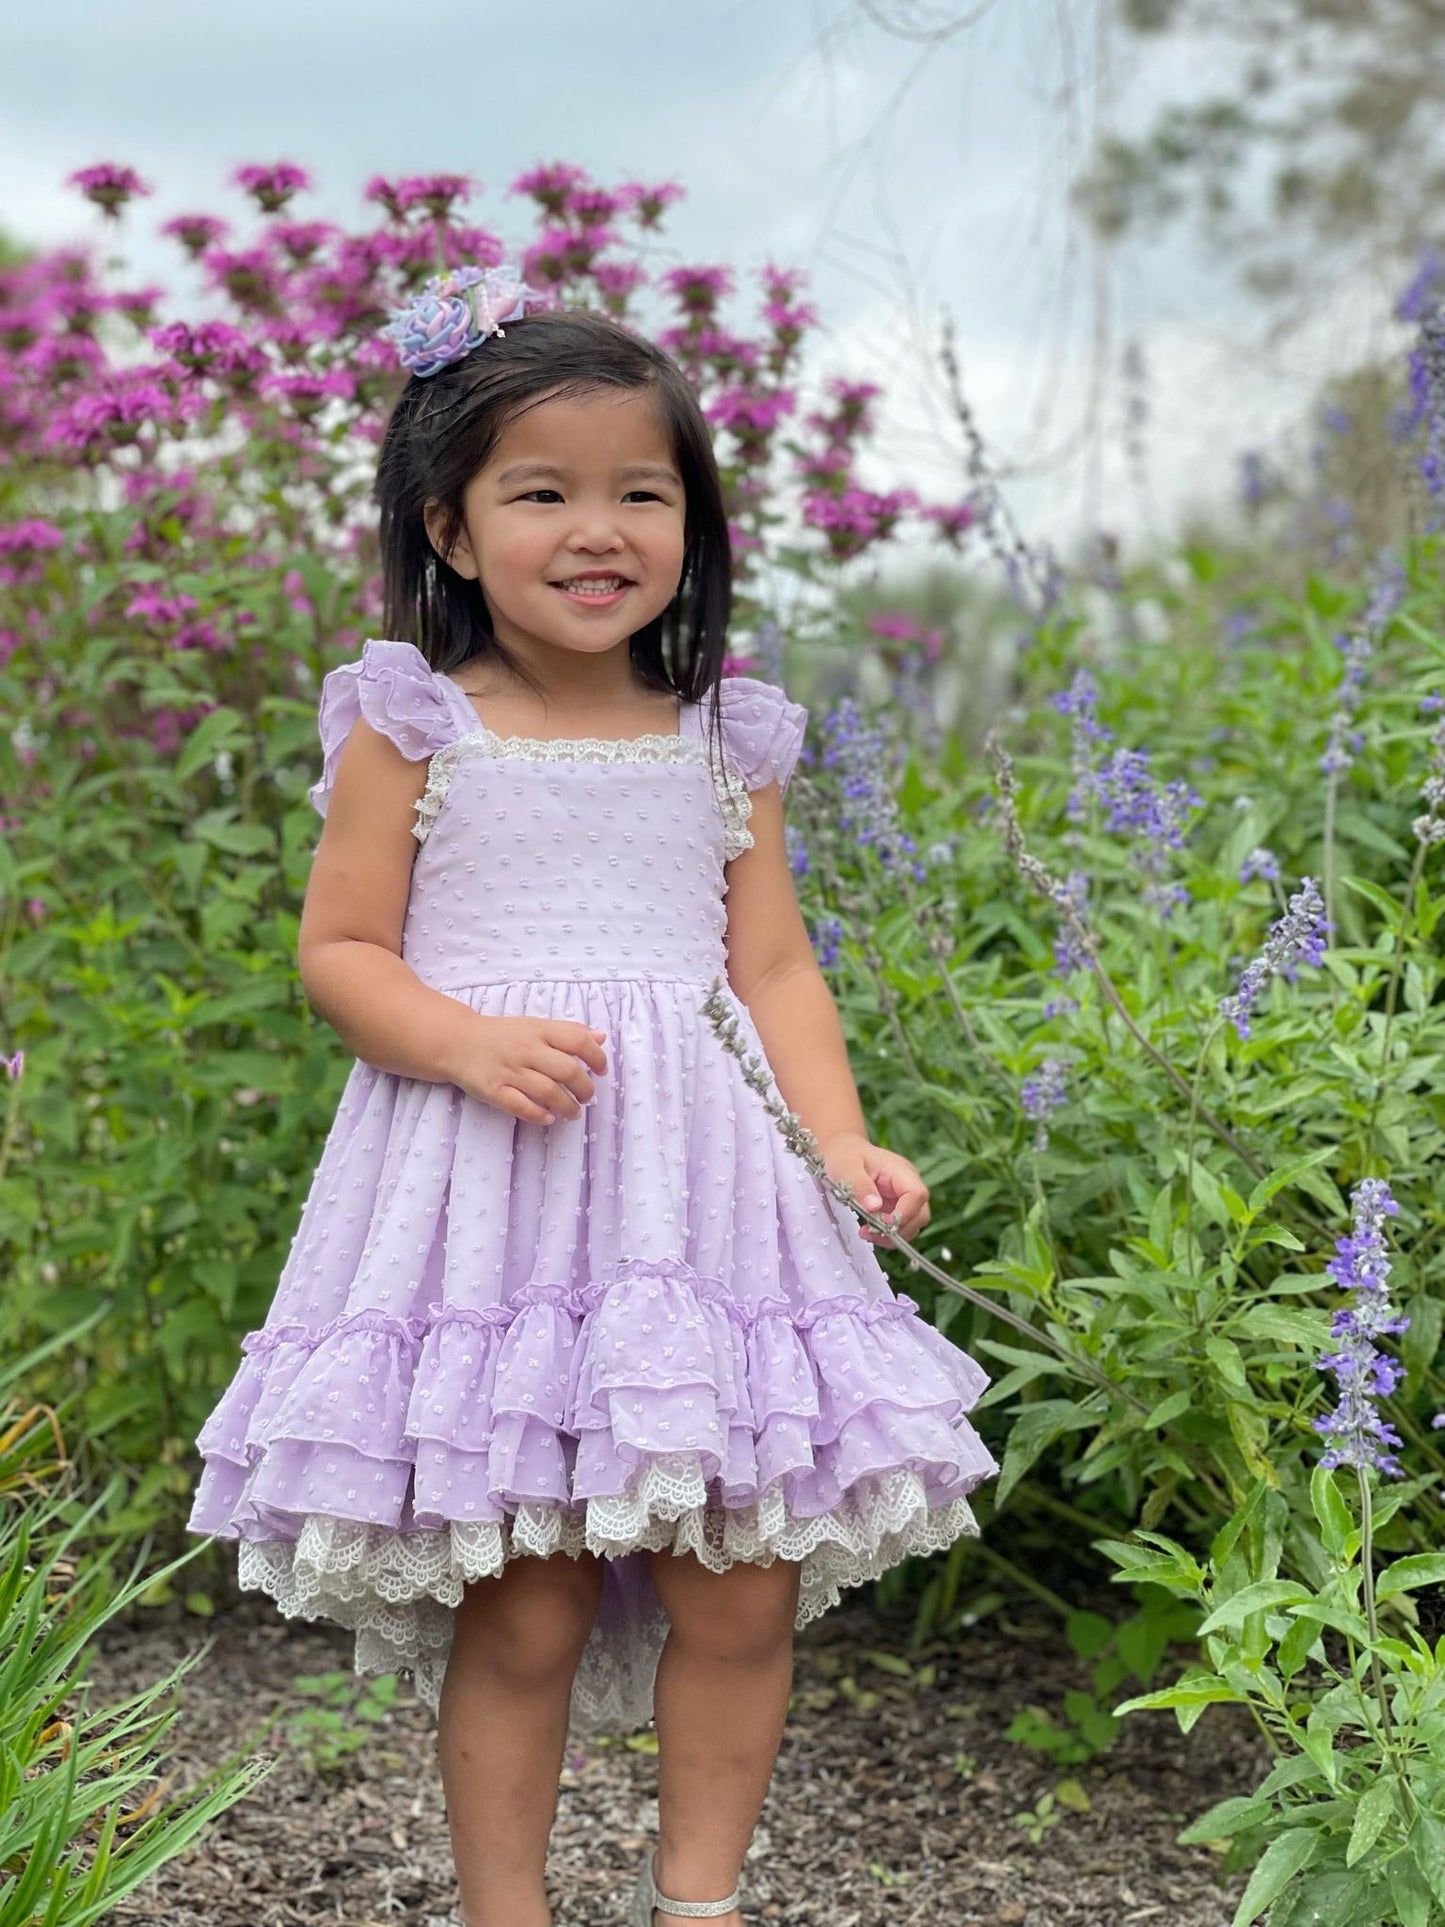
596	584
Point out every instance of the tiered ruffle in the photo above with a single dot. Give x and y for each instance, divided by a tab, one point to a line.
374	1465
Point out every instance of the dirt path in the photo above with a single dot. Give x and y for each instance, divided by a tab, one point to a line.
896	1810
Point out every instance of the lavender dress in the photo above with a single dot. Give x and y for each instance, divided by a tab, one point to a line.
647	1326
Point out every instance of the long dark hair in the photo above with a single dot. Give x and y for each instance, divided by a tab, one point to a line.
445	426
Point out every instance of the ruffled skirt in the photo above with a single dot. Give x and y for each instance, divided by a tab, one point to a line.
647	1328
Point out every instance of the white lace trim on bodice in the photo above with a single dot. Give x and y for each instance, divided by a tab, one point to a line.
733	798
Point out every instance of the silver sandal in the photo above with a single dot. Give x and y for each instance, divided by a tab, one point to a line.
647	1897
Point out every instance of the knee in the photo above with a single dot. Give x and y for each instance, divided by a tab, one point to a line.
534	1627
745	1614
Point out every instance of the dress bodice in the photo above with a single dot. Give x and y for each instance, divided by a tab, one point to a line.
581	857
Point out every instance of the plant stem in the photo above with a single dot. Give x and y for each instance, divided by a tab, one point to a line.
1393	985
1189	1153
1022	1578
1367	1580
1328	866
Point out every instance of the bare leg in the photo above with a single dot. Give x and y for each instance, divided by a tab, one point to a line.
721	1702
502	1727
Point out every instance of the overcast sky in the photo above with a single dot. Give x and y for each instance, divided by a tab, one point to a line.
803	132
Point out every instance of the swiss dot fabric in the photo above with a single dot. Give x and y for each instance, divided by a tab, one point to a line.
646	1327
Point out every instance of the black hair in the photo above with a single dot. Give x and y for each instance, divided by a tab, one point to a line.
445	426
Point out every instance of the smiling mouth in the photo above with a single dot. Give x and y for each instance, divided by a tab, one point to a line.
594	587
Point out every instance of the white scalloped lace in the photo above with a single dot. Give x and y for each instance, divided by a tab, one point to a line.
397	1591
732	793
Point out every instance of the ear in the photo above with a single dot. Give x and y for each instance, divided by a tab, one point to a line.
461	558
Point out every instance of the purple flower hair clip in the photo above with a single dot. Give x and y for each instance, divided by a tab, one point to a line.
453	313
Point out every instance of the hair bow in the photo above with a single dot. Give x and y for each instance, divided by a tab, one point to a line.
453	313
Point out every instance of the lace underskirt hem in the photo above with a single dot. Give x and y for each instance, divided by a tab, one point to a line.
397	1591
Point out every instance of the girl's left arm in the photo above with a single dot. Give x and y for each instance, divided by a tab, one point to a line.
772	969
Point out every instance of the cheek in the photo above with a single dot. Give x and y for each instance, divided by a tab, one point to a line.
668	543
513	549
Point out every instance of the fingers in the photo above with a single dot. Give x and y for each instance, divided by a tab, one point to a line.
554	1084
909	1215
536	1068
581	1040
509	1098
570	1086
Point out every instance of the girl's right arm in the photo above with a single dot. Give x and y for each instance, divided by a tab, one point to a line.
349	956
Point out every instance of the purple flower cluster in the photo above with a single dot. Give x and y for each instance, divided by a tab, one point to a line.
800	862
827	941
1079	702
1386	595
1157	818
1069	956
1425	288
1300	933
1427	396
1260	863
1355	1433
1041	1094
863	755
1430	828
108	186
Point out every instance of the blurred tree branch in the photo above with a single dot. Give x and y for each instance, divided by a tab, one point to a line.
1342	100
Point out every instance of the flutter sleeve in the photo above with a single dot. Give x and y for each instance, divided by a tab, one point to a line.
394	688
762	729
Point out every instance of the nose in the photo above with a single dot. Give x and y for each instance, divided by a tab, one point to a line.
596	530
596	536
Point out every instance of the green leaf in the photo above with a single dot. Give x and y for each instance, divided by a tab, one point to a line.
1225	1357
1274	1181
1371	1815
1287	1854
1335	1518
1169	1408
204	741
1196	1689
1382	900
1420	1569
1408	1891
1294	1649
1427	1844
1421	1339
1209	1197
1266	1593
1036	1427
1227	1537
1229	1817
1339	1617
1290	1325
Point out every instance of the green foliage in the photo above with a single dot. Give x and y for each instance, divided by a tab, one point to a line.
1349	1823
343	1711
1115	1650
1284	177
83	1813
1148	1284
176	1082
1160	1262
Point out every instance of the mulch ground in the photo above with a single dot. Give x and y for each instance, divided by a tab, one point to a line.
894	1802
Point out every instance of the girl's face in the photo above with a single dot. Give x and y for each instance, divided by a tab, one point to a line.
575	488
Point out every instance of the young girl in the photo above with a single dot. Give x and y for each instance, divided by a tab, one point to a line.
558	1286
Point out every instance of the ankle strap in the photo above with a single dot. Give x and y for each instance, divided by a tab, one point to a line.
692	1909
697	1909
